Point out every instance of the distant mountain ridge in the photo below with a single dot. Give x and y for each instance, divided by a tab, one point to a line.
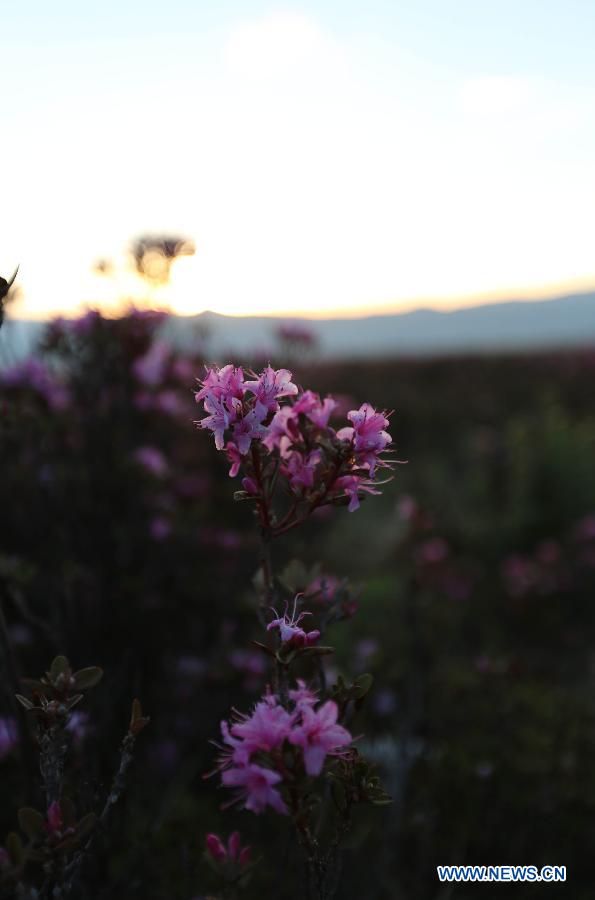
515	325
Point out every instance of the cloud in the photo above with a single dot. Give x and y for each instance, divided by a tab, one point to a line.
496	95
277	43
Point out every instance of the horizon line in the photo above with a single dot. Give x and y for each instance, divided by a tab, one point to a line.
575	287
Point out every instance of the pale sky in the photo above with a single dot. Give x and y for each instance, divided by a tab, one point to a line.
325	157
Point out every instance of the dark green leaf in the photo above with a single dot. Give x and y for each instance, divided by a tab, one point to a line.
32	822
87	678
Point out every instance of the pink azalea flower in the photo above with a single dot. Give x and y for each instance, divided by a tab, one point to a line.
351	485
319	735
300	470
234	752
233	455
266	728
218	421
250	428
322	412
222	384
302	695
307	402
256	787
271	385
282	429
368	435
290	631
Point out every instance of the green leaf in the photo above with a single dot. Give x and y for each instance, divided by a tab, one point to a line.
14	848
316	651
34	684
137	711
294	576
67	844
264	648
73	701
137	720
338	793
60	666
86	825
32	822
362	685
243	495
340	501
87	678
24	701
68	811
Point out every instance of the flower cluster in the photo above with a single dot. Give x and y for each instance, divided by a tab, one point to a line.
320	465
264	754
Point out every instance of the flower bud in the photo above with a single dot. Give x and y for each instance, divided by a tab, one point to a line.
233	845
215	848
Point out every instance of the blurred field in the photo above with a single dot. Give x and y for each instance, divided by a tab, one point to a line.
122	546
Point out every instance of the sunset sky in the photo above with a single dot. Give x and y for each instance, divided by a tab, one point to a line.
328	157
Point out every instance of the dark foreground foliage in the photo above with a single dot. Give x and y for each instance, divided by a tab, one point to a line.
122	546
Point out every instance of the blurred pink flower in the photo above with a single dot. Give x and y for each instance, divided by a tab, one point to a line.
36	375
54	816
150	368
170	403
432	551
296	333
160	528
9	736
585	528
153	460
78	726
324	587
